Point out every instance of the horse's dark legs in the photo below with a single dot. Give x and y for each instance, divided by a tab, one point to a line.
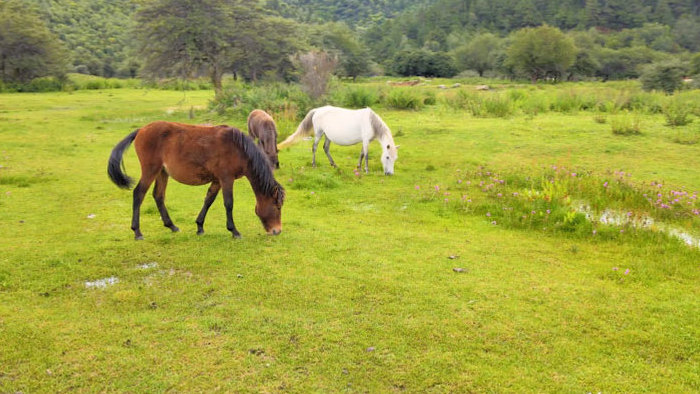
364	154
326	148
208	200
159	196
227	191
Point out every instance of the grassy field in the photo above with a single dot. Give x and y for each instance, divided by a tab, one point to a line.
474	268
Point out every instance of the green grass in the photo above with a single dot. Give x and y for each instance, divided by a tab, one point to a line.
359	292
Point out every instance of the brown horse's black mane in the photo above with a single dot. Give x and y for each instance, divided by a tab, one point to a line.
260	174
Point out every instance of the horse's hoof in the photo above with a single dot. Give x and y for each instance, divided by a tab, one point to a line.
237	236
200	232
138	237
175	229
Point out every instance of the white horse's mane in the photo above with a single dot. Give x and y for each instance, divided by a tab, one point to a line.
382	131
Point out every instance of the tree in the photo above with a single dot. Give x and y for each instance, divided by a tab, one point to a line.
338	39
188	37
421	62
666	76
317	70
479	54
265	48
28	49
541	52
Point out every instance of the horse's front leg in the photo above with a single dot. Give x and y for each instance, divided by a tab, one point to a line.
159	196
227	191
365	152
208	200
326	148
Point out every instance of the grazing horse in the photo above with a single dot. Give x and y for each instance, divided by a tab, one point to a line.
261	127
197	155
347	127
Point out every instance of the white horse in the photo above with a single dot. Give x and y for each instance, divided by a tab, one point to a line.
347	127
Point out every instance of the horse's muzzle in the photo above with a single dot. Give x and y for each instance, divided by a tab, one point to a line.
275	231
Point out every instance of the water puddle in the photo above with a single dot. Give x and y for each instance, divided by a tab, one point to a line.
102	283
621	219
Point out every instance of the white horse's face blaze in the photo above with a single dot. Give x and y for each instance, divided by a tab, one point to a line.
389	157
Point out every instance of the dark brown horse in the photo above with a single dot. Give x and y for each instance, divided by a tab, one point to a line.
262	128
197	155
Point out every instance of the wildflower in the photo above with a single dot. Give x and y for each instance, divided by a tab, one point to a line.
548	212
313	192
417	187
447	200
595	232
515	194
488	214
459	181
437	188
500	195
605	184
627	271
573	174
533	212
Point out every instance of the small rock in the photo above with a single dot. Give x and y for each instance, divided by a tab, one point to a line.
459	270
370	349
91	216
453	257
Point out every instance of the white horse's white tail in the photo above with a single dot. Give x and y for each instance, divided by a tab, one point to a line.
304	129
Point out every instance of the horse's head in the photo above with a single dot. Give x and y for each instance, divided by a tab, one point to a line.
269	210
389	155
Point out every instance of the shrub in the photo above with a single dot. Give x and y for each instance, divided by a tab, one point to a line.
664	76
357	97
677	112
404	99
625	125
283	101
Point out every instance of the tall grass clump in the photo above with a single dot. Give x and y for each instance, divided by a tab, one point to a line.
480	105
356	97
404	98
677	111
283	101
626	125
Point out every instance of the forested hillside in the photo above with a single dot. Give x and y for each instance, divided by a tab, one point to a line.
612	38
96	32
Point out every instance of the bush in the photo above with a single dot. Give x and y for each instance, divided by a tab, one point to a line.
280	100
625	125
677	112
664	76
356	97
404	99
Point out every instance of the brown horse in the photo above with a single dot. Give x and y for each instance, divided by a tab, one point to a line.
197	155
262	127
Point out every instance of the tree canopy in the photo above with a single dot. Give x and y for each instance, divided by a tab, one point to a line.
28	49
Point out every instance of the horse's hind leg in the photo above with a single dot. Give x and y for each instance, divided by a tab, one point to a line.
326	148
316	140
159	196
208	200
139	193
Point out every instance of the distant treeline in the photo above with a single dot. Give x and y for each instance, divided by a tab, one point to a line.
612	39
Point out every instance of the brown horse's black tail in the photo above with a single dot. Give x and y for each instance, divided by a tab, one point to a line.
115	167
